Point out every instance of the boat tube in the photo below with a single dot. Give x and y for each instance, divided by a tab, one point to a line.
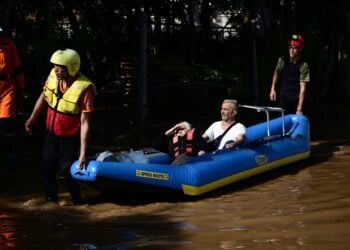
268	145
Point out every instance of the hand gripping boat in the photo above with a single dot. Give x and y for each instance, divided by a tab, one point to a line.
268	145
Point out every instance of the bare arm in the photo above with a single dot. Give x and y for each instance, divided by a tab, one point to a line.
181	125
205	137
275	78
302	95
171	131
239	139
39	107
85	120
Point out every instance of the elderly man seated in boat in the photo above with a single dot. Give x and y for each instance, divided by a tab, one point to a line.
226	133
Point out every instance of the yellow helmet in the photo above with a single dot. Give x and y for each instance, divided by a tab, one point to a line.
69	58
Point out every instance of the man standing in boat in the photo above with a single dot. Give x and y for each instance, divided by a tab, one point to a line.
291	76
68	98
226	133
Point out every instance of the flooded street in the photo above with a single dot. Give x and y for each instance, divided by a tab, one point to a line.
305	205
300	206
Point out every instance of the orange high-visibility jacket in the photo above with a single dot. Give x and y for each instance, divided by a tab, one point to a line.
10	63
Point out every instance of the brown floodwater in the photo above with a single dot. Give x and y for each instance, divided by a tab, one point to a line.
299	206
305	205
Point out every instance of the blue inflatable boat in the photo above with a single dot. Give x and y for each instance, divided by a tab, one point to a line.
268	145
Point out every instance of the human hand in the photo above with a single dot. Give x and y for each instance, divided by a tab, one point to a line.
273	95
202	152
82	163
171	131
28	125
174	130
229	144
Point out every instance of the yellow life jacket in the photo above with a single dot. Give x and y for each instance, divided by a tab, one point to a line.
67	103
63	113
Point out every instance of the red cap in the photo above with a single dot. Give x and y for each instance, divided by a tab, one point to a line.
296	41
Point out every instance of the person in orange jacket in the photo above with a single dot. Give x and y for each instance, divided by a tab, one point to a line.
12	80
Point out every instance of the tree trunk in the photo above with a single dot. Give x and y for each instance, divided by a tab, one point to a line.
255	84
6	17
142	75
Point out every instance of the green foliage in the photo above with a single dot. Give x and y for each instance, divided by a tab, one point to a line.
109	29
232	82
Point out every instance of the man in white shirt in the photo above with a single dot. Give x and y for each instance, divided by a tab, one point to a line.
236	133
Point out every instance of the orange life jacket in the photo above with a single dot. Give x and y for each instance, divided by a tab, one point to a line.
187	147
6	67
10	63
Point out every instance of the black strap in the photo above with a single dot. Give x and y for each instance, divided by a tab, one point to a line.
223	134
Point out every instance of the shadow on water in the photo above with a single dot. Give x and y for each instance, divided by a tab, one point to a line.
121	222
105	222
56	232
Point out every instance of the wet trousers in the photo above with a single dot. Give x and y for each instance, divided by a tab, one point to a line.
58	155
8	141
289	103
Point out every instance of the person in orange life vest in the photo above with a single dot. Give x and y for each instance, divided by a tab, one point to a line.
185	142
236	133
12	83
291	76
68	98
